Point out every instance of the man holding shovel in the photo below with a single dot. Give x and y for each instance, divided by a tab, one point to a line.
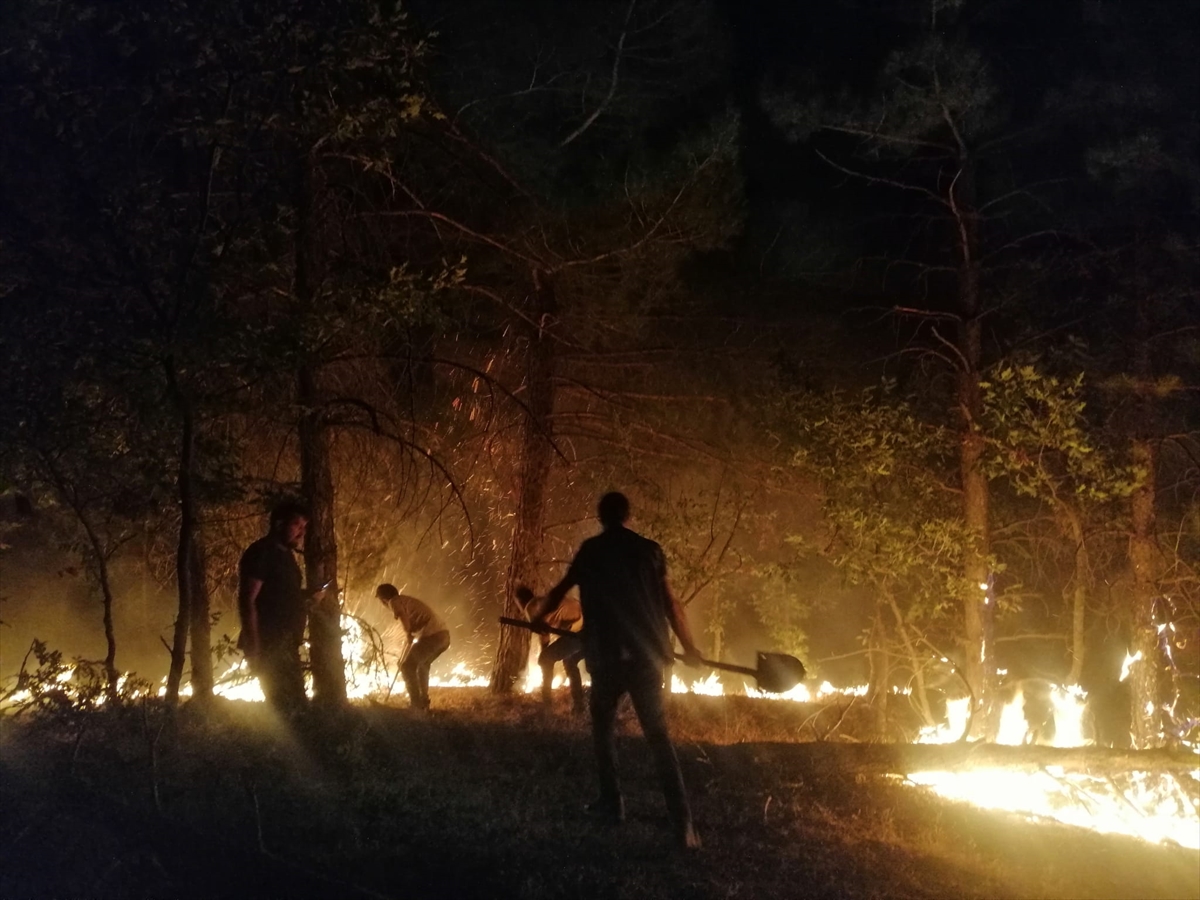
627	607
427	639
565	648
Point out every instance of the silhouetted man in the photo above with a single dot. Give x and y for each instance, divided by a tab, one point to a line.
627	608
563	648
272	607
428	638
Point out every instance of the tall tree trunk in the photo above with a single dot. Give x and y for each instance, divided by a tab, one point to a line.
915	663
320	548
1080	582
184	568
100	561
533	473
201	624
1146	690
1146	694
316	467
879	686
979	663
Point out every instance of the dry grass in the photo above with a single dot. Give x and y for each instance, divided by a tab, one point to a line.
483	799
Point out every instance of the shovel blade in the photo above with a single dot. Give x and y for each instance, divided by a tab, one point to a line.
778	673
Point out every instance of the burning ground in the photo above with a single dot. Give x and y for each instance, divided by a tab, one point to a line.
484	796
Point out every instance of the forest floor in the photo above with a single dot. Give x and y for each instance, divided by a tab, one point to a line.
483	798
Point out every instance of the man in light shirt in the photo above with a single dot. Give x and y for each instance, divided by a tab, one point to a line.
428	638
565	649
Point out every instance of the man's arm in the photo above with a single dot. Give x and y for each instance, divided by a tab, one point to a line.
394	606
677	616
248	591
554	596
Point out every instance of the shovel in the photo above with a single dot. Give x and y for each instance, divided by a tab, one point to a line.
775	673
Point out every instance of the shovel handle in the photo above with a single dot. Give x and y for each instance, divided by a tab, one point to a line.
530	626
549	629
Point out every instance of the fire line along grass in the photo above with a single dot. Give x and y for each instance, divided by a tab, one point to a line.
483	798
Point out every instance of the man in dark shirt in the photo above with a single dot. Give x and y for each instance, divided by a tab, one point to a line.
627	607
271	603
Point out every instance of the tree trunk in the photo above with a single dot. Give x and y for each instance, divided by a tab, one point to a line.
184	568
918	669
879	688
201	624
979	662
1148	722
1148	725
1080	581
533	473
100	561
320	549
316	469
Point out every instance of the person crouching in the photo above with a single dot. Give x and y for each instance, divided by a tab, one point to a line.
427	639
564	648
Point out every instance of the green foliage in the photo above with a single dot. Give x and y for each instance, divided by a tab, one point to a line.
891	516
1041	441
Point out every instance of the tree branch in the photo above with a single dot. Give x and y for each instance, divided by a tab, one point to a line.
612	85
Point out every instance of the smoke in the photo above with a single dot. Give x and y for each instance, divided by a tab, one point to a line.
47	593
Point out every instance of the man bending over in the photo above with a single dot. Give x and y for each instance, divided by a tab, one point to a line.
428	638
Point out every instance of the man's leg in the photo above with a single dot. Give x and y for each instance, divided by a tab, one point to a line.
606	694
281	677
571	664
546	662
568	651
646	692
408	671
422	655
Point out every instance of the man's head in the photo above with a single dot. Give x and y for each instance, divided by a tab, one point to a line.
289	522
613	509
385	593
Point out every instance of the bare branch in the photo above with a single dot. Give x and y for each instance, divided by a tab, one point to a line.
612	85
873	179
887	138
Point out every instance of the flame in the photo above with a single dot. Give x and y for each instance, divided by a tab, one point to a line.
1128	662
710	686
958	712
1155	807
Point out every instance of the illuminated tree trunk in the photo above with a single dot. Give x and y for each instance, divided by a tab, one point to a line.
184	569
99	561
111	675
915	664
1080	581
879	677
320	547
533	473
1147	720
979	663
1144	674
200	629
316	468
